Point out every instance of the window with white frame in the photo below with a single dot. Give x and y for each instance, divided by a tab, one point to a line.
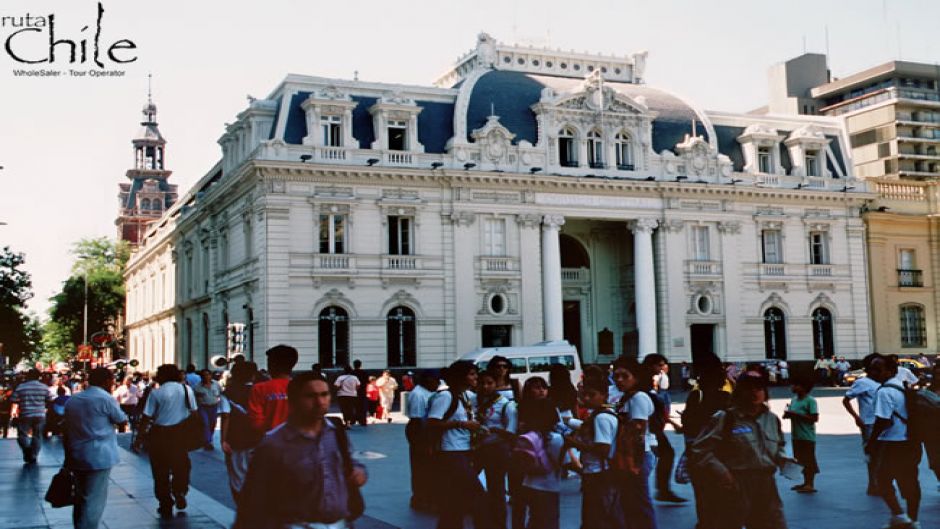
811	163
400	235
907	259
700	243
567	148
624	150
772	246
818	248
397	135
913	326
494	237
595	145
333	233
332	128
765	160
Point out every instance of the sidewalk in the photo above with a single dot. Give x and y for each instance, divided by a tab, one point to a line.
131	504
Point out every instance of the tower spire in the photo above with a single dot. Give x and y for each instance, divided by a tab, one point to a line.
149	91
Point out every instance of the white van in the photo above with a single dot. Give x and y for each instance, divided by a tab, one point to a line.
532	360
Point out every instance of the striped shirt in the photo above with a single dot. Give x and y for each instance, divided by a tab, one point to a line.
31	397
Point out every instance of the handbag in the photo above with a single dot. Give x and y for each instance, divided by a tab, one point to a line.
61	491
190	432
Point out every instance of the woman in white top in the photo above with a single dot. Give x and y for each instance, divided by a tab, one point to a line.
387	386
636	407
542	490
347	392
497	415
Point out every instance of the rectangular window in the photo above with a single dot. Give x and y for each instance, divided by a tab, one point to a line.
772	246
567	156
497	336
596	153
906	260
764	160
913	326
397	135
818	248
400	235
332	131
332	233
542	364
700	243
812	163
494	237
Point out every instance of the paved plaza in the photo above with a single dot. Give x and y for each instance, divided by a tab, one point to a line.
840	503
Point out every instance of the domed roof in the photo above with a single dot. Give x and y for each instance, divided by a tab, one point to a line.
510	95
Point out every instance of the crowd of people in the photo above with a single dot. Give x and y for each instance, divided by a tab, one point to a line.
289	464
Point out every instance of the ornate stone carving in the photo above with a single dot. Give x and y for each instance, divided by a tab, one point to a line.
528	220
463	218
645	225
673	225
730	227
495	140
553	222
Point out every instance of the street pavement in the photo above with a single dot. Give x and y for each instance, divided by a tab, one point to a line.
840	504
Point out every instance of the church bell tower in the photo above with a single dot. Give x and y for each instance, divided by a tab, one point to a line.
148	194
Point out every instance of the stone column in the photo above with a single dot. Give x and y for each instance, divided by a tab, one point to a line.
551	277
645	284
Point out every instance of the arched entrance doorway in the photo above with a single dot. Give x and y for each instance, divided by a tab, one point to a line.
775	334
575	270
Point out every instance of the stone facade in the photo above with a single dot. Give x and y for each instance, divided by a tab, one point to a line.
409	225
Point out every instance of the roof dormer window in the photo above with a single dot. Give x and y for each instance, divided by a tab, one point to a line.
811	163
397	135
329	118
807	146
761	146
395	121
331	128
765	160
567	148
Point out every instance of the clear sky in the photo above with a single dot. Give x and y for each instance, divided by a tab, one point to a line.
65	142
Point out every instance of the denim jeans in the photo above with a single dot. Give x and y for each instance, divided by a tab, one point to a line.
208	414
635	497
29	436
91	494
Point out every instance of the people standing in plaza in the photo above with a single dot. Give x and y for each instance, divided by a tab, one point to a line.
634	409
931	437
803	413
497	417
662	404
267	405
128	395
864	390
387	386
534	389
30	398
541	488
164	411
302	475
91	446
416	433
738	453
821	368
238	436
842	367
600	504
372	395
347	392
451	418
362	404
895	455
505	384
208	394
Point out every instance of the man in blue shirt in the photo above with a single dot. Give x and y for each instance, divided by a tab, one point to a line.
91	445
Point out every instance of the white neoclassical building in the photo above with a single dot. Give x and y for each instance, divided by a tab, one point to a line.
528	195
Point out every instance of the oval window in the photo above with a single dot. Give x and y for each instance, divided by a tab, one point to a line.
703	304
497	304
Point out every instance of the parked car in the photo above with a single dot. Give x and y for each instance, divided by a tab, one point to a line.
918	368
533	360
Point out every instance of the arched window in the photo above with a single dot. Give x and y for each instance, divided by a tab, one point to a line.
595	145
624	149
334	337
145	204
400	333
913	326
155	205
567	148
822	333
775	334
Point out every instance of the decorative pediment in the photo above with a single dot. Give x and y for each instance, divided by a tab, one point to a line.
495	140
807	134
594	96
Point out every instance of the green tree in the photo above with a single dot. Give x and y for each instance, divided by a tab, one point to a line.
99	262
15	290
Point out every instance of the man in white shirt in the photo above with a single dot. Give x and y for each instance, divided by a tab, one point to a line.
128	395
415	432
864	390
347	392
895	456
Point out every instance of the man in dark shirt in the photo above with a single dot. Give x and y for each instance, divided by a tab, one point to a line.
302	472
362	404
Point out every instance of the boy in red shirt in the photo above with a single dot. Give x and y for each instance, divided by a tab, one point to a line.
267	406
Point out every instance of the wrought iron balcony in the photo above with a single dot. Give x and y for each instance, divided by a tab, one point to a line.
910	278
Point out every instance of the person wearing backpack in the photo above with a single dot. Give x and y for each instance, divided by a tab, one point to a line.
600	505
633	460
864	390
539	454
451	426
931	438
658	366
738	454
238	437
894	453
497	416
